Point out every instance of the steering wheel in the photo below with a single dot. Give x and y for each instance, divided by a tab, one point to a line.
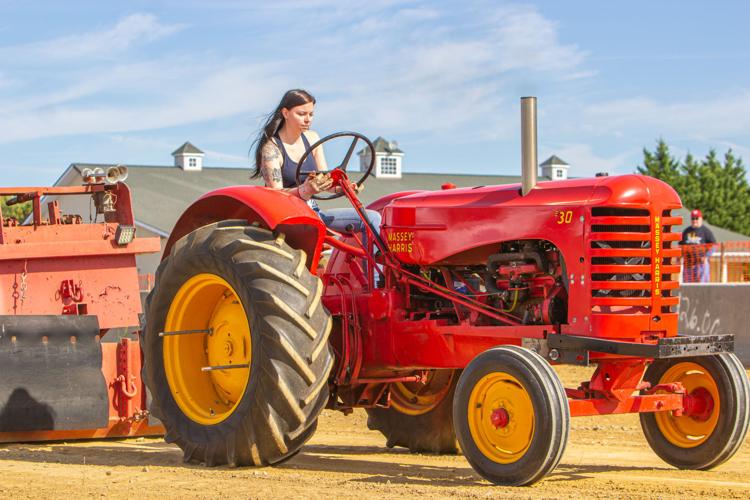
300	175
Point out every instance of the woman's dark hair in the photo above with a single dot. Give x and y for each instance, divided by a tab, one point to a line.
274	122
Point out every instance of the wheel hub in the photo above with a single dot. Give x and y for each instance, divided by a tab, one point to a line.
699	404
228	349
500	418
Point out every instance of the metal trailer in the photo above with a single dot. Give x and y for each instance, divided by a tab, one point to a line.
69	286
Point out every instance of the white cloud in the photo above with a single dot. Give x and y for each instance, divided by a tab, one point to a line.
703	120
452	78
6	81
448	77
740	150
584	162
225	157
136	29
523	38
145	78
224	92
139	142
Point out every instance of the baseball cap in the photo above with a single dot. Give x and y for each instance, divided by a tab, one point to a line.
696	214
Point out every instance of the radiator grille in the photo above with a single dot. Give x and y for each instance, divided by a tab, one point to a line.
622	264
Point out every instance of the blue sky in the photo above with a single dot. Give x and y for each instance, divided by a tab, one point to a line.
128	82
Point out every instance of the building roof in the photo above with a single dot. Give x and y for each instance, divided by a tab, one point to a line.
160	194
720	233
383	146
187	149
553	160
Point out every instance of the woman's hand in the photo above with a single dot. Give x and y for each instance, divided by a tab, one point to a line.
314	184
353	185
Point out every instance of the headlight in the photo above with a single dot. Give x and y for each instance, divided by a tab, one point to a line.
124	234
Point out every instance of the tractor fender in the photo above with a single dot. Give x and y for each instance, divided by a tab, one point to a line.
270	208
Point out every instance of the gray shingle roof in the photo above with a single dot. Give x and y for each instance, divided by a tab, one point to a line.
188	149
161	194
553	160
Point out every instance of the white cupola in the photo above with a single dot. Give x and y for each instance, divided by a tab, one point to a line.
188	158
554	168
388	159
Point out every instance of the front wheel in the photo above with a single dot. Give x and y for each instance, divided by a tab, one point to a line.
511	416
717	414
236	352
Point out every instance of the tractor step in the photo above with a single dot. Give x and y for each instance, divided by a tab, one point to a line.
52	374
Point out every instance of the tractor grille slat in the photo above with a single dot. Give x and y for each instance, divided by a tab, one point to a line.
621	260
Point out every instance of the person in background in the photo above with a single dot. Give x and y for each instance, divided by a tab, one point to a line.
698	242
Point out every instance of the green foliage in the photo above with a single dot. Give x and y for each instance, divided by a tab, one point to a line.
20	211
662	165
718	188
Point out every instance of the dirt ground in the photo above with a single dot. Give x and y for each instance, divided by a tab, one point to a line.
606	457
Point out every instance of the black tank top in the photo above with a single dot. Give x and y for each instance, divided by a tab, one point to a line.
289	168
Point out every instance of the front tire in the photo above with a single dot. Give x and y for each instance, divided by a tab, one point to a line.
511	416
247	385
714	429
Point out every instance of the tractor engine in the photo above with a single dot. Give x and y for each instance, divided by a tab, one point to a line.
525	279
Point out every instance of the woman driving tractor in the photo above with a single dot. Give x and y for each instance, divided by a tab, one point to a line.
283	142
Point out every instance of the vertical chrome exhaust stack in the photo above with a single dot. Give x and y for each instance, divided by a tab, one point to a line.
528	144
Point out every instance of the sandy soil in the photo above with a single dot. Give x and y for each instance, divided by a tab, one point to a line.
606	457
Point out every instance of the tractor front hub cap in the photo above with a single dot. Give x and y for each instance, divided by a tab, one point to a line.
500	418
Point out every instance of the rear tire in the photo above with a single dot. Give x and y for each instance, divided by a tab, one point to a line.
263	308
511	416
711	437
426	426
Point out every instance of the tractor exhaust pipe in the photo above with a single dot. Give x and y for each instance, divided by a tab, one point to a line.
528	144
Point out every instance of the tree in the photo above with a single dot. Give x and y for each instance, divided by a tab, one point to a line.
662	165
690	189
20	210
719	189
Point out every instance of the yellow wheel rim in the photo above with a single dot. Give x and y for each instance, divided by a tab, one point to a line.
501	393
204	302
414	398
687	431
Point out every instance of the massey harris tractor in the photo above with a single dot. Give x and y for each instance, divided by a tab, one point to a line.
70	285
442	323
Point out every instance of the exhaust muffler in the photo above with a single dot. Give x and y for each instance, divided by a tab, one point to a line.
528	144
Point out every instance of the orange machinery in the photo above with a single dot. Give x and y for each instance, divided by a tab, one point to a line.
70	363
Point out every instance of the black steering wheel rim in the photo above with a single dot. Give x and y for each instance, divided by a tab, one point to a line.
299	175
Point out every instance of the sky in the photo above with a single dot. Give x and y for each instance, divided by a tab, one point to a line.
130	81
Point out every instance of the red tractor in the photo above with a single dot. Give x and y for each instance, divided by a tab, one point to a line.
442	323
